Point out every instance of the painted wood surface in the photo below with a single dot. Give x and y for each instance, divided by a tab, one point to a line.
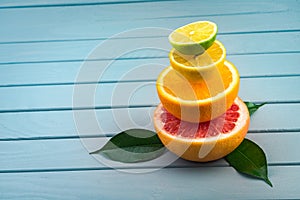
240	44
144	69
44	46
56	155
61	124
89	22
178	183
115	95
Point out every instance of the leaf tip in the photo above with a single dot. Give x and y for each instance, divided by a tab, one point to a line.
94	152
267	180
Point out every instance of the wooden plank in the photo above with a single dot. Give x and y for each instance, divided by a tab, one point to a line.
61	124
269	89
262	5
106	95
99	22
9	4
183	183
140	48
139	69
70	154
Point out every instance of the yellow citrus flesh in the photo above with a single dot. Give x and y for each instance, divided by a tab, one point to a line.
198	101
208	148
194	67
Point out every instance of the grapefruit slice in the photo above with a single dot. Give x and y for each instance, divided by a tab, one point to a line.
204	141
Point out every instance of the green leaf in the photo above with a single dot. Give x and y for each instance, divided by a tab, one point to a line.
131	146
249	159
252	107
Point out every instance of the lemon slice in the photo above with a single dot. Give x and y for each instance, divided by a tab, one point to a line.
197	67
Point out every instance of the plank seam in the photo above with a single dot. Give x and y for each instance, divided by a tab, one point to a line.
159	36
127	81
251	132
117	107
289	164
142	57
81	4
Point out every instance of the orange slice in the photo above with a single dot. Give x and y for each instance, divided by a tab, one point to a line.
198	101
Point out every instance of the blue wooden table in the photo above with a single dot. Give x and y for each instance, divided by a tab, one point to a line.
73	73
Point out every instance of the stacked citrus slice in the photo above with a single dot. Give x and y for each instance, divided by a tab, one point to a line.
200	117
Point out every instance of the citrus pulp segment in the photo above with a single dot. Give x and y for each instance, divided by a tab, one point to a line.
204	141
194	38
198	101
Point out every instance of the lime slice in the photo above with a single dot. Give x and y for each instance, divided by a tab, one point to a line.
194	38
